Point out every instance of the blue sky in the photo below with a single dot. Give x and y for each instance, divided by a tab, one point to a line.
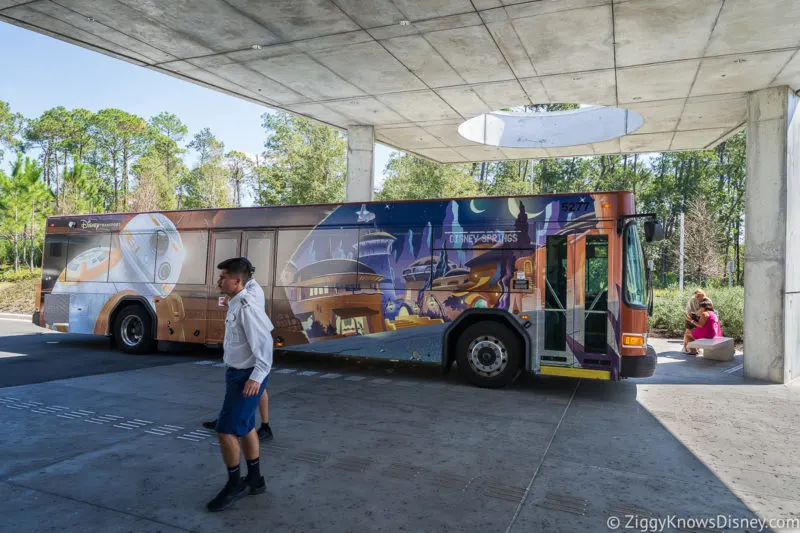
38	72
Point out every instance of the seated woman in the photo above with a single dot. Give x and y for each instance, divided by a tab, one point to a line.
706	327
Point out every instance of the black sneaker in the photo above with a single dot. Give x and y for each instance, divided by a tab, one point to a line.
264	433
256	487
210	425
226	497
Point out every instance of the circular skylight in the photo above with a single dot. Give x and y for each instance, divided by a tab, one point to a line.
551	129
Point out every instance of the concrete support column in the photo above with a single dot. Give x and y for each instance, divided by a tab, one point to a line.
772	237
360	163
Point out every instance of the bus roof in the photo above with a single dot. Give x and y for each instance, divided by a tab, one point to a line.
286	216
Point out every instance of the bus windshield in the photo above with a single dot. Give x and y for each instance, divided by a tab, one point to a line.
634	282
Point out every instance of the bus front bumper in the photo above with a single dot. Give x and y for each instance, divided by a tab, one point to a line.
641	366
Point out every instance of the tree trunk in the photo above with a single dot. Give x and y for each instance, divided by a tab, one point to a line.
47	166
64	174
24	248
116	183
33	229
125	178
602	167
16	252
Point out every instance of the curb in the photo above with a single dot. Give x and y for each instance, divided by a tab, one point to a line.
15	316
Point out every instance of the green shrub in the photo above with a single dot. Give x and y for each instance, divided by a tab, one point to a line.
23	274
669	310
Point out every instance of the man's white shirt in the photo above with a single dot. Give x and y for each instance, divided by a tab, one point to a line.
254	290
248	341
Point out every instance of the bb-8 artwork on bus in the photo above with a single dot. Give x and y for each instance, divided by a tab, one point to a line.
145	259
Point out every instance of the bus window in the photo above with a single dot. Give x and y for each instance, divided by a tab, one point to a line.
555	315
224	248
634	278
257	248
596	296
322	257
88	257
133	257
195	248
55	258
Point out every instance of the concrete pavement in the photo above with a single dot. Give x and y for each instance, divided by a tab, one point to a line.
365	449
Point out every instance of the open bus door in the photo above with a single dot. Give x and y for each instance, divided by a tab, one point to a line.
575	299
557	273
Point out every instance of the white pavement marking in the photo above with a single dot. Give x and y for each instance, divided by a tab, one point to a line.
15	319
330	376
72	416
308	373
380	380
286	371
355	378
734	369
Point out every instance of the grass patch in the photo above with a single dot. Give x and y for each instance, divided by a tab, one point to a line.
669	310
18	296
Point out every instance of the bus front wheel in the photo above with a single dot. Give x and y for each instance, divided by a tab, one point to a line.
489	354
133	330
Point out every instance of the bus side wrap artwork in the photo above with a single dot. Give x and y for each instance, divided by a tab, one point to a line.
375	280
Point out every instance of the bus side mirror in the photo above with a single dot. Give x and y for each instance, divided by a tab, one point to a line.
653	231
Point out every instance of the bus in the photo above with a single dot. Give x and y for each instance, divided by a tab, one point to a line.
545	284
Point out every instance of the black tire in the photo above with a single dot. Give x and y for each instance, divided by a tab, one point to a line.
496	365
133	330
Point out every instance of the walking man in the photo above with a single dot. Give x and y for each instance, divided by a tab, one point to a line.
255	293
248	357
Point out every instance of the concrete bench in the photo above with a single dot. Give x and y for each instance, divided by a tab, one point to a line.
717	349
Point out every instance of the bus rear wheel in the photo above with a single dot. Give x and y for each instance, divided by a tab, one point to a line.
133	329
489	355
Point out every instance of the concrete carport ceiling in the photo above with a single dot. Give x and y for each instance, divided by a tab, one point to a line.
418	69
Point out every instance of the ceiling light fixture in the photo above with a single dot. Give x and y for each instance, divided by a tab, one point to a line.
256	46
405	22
89	19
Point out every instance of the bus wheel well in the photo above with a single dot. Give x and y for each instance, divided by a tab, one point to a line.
466	320
130	302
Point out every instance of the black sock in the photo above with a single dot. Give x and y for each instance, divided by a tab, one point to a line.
253	470
233	475
265	425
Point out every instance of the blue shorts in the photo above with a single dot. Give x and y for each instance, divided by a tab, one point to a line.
238	414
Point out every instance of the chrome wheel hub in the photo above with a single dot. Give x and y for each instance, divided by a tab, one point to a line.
132	330
488	356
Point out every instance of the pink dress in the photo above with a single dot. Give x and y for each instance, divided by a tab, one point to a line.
710	330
